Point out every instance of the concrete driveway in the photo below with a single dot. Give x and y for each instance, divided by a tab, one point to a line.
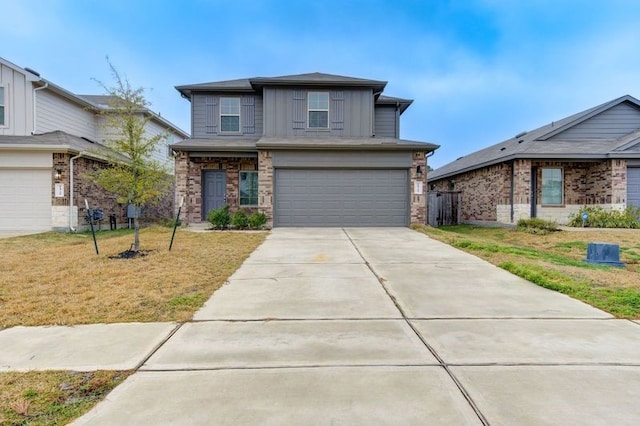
383	326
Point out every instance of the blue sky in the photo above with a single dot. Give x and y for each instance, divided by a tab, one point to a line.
479	71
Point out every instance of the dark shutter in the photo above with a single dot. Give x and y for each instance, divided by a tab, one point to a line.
211	114
337	110
248	114
299	109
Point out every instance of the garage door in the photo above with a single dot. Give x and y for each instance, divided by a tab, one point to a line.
25	200
341	197
633	186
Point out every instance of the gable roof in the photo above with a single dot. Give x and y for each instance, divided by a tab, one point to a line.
315	79
538	144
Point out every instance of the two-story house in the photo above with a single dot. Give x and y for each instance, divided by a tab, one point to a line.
49	139
307	150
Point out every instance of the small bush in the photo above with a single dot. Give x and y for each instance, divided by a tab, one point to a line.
239	220
537	226
597	217
219	218
257	220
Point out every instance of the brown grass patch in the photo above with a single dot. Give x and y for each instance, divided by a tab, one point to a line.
52	397
56	278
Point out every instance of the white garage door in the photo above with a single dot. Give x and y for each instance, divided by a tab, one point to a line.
341	197
25	200
633	186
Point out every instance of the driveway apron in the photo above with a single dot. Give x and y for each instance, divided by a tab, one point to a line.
383	326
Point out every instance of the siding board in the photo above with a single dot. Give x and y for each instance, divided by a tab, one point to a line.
615	122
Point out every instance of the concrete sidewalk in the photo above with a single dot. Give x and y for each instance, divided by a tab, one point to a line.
371	326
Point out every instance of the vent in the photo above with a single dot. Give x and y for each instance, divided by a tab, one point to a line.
521	134
459	158
32	71
521	140
503	148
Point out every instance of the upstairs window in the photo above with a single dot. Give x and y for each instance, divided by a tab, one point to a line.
2	103
248	189
318	110
230	115
552	193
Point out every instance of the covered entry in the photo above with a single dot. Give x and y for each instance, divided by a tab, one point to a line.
342	197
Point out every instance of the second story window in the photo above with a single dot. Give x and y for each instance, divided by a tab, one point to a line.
2	109
318	110
230	115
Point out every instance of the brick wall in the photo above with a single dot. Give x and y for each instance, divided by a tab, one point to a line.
486	193
97	197
189	181
418	201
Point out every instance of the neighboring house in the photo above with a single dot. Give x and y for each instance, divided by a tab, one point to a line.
46	132
590	158
307	150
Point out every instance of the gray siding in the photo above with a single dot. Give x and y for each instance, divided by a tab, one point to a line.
334	159
205	115
350	113
633	186
18	98
386	124
615	122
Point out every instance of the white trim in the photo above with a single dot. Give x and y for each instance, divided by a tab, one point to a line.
309	110
237	98
4	100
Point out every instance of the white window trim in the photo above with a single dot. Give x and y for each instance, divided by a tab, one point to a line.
561	204
235	132
4	101
309	109
240	192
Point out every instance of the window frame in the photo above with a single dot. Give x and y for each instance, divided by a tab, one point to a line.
230	114
3	105
310	110
240	198
543	201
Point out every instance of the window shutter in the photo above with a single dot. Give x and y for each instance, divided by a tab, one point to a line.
211	114
248	114
299	109
337	110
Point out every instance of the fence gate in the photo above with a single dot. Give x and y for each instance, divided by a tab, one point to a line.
444	208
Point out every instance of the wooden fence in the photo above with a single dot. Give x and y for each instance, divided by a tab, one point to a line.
444	208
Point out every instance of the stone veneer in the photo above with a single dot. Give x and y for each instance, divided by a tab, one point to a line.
418	200
486	192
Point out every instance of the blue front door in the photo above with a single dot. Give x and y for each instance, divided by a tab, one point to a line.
214	189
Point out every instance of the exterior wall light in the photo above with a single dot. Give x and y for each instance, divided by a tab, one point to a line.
418	171
58	174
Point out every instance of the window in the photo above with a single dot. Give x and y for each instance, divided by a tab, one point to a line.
230	115
552	186
318	106
248	188
2	103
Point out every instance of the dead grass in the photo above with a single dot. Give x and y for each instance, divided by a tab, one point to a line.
56	278
558	258
52	397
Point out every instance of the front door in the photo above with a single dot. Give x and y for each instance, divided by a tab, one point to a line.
214	189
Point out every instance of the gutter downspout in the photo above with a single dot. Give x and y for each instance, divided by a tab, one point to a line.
397	129
71	228
35	116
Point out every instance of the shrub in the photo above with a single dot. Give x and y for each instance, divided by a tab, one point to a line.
597	217
239	220
537	226
257	220
219	218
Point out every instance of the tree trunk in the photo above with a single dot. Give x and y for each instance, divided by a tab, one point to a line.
136	233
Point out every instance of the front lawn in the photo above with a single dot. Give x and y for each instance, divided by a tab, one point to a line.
555	261
56	278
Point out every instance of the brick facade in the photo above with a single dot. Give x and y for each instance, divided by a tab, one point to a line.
486	192
189	184
97	197
189	181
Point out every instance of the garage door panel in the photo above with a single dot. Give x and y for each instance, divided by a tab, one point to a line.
25	199
341	197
